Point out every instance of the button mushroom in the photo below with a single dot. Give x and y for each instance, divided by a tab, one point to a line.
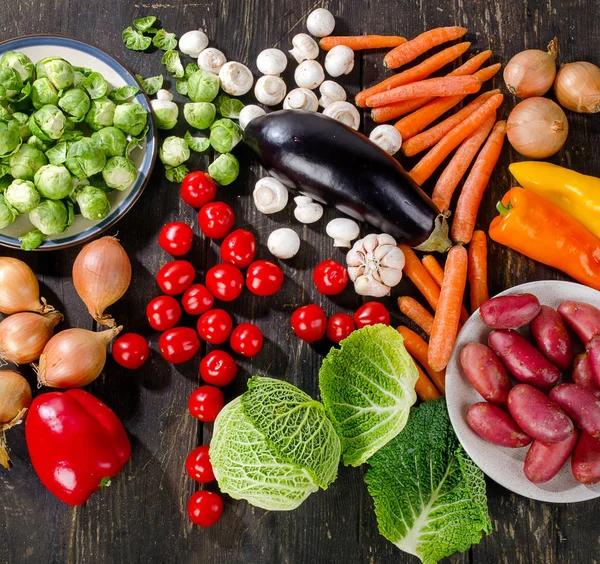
270	90
236	79
284	243
305	47
320	22
306	210
387	137
248	113
301	99
211	60
331	92
193	43
270	195
344	112
339	60
271	62
309	74
343	231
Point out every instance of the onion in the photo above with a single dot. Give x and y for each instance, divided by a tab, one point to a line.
531	73
537	128
23	336
74	358
577	87
15	398
20	290
101	275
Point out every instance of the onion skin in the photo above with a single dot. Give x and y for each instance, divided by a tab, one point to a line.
532	72
101	275
15	399
20	288
577	87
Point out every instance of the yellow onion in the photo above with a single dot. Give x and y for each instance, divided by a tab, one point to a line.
531	73
577	87
537	128
15	398
19	288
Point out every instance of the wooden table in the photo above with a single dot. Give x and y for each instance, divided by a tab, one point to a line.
141	517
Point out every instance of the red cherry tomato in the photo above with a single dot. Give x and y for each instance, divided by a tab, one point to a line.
239	248
218	368
163	312
176	238
205	403
131	350
339	326
198	189
198	465
330	277
216	219
371	313
225	282
264	278
205	508
179	344
175	276
246	339
215	326
197	299
309	322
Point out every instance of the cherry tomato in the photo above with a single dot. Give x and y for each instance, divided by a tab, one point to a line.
131	350
198	465
246	339
339	326
197	299
309	322
264	278
239	248
176	238
330	277
175	276
163	312
215	326
225	282
216	219
179	344
205	508
198	189
218	368
205	403
371	313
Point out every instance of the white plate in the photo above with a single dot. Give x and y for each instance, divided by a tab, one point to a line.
505	465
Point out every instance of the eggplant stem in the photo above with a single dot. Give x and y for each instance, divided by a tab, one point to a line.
438	241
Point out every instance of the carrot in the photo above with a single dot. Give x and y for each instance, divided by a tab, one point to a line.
416	313
427	165
419	350
476	183
418	72
424	387
477	269
453	173
359	42
446	320
412	49
420	277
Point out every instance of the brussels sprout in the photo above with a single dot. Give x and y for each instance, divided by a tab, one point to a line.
123	94
4	171
26	162
84	158
22	195
76	103
23	120
152	84
130	118
200	115
48	123
176	173
59	72
51	217
10	137
73	135
197	144
53	182
225	135
95	85
58	154
20	62
93	203
145	23
203	86
173	64
7	213
78	78
111	140
5	114
36	142
135	142
174	151
43	92
165	110
119	173
230	107
10	83
190	69
181	86
164	40
101	114
225	169
32	240
97	181
134	40
5	179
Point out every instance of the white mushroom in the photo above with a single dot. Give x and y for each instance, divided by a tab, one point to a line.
284	243
301	99
270	90
270	195
309	74
193	43
344	112
236	79
343	231
271	61
305	47
331	92
387	137
211	60
320	22
248	113
339	60
306	210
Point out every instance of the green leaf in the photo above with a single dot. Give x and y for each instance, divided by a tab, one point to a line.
145	23
182	86
173	64
151	31
135	142
96	85
164	40
4	170
176	174
123	94
134	40
197	144
85	71
190	69
58	154
152	84
231	108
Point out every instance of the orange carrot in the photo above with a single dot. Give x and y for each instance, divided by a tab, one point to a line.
441	86
416	313
427	165
477	270
422	43
457	167
359	42
424	387
446	320
475	185
420	277
419	349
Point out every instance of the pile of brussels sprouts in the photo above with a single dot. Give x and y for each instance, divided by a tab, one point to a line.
65	140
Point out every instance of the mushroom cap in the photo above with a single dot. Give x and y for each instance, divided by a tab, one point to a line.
270	195
305	47
270	90
193	42
236	78
344	112
331	92
343	229
339	60
283	243
248	113
301	99
211	60
271	61
320	22
387	137
309	74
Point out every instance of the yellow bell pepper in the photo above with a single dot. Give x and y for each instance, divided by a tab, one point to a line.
575	193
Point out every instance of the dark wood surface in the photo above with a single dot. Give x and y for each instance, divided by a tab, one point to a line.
141	517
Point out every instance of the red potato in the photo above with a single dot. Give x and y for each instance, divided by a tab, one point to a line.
552	338
585	462
582	374
593	349
522	359
580	405
584	319
496	426
544	460
509	312
486	373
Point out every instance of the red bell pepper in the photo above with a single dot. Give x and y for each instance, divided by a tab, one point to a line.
76	443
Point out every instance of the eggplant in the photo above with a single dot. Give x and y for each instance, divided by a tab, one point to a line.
333	164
